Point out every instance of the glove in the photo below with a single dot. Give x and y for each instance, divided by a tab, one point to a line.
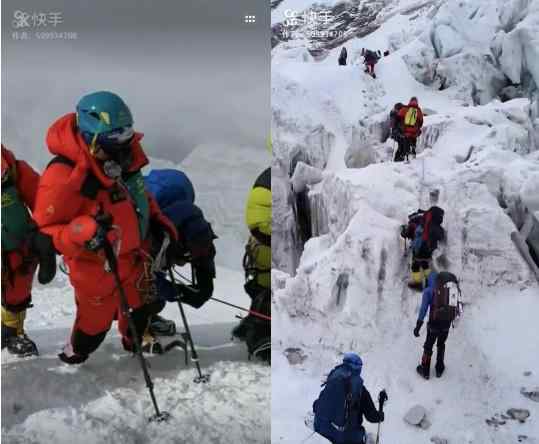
417	328
177	254
165	289
41	245
404	231
382	397
104	224
90	232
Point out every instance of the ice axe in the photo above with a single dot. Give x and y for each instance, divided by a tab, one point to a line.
159	416
194	355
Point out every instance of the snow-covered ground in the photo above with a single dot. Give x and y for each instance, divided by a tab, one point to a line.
105	399
478	155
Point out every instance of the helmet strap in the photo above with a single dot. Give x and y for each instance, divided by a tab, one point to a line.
93	145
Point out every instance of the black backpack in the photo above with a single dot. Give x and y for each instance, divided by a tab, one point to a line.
446	300
414	220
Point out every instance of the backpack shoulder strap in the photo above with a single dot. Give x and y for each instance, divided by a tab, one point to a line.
348	401
62	160
91	184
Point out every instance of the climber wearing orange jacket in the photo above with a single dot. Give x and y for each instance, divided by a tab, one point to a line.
23	248
94	189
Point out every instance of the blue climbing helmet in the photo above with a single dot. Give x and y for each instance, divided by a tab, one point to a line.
105	121
353	361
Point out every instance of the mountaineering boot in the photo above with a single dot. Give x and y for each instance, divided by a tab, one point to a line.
416	280
70	357
18	345
258	339
240	331
424	368
160	326
22	346
13	336
7	333
262	350
440	367
150	344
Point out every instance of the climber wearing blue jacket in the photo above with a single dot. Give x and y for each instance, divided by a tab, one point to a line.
441	316
175	195
344	402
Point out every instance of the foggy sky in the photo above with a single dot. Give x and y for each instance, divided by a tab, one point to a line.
192	71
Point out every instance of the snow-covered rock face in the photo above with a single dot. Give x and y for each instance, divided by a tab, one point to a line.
476	49
447	42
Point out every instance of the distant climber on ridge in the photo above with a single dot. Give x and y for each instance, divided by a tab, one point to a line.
370	58
343	56
395	128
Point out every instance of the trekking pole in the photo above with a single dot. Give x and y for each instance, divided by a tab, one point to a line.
382	397
404	246
251	312
126	311
194	355
378	432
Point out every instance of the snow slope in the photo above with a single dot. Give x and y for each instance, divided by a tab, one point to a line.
105	399
478	156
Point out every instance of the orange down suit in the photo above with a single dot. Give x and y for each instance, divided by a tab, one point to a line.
60	200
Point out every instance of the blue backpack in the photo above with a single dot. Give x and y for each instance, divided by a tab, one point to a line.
175	196
336	412
169	186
